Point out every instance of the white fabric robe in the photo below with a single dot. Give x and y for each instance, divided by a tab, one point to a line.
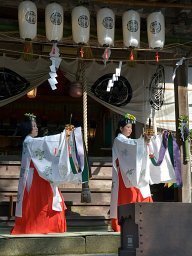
165	172
132	156
51	159
136	167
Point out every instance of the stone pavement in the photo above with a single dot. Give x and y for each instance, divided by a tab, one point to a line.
70	243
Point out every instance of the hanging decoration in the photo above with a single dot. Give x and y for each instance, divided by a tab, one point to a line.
168	143
156	30
105	27
179	63
185	135
54	33
131	28
54	22
56	60
106	55
115	77
119	92
27	18
157	88
81	52
80	25
12	84
131	56
157	56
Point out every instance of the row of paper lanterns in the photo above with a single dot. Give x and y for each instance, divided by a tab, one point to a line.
54	25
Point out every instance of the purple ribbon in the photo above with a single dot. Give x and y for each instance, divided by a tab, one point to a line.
176	157
162	150
177	162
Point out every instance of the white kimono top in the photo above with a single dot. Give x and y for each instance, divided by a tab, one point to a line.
165	172
50	156
136	167
132	157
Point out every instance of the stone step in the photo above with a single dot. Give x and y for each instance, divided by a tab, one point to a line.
74	223
69	243
111	254
80	216
82	210
92	210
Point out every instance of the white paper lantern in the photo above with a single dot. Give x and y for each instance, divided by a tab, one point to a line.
54	22
27	16
156	30
105	27
131	28
80	25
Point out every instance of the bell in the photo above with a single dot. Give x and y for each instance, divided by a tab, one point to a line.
76	89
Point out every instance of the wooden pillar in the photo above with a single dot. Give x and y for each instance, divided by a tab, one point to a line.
182	108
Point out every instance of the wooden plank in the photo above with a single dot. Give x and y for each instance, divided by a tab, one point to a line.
10	176
95	170
96	198
9	169
93	184
11	184
101	171
90	211
3	161
97	177
94	161
12	189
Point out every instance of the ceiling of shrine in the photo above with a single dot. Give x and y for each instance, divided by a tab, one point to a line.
178	31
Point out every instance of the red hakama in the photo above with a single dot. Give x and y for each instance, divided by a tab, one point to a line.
37	214
126	196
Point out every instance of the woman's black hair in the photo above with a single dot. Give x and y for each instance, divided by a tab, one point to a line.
123	122
25	127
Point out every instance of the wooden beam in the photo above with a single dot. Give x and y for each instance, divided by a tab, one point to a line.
146	4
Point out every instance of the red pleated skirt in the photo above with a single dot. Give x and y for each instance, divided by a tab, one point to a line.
37	214
126	196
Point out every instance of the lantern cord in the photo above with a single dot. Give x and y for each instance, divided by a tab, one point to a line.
10	38
95	59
